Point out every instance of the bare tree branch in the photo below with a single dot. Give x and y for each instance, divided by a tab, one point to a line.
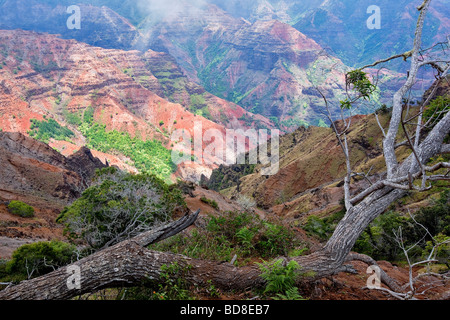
389	141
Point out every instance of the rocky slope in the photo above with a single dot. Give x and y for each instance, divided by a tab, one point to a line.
309	179
312	168
43	76
267	66
341	24
36	174
33	170
52	16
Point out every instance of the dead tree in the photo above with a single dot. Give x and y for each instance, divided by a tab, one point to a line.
128	263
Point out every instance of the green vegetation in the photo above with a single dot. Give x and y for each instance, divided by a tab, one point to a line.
214	55
32	260
49	129
199	106
210	202
20	208
358	81
197	101
378	240
148	156
170	286
72	118
323	228
234	233
295	123
436	110
281	279
119	205
383	109
88	115
42	68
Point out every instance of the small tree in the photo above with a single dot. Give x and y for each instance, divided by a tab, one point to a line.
119	206
39	258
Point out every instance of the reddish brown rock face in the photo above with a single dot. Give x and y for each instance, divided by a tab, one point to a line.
33	172
33	169
45	76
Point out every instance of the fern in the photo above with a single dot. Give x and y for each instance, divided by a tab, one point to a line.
280	279
290	294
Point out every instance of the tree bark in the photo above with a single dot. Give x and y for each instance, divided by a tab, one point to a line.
129	264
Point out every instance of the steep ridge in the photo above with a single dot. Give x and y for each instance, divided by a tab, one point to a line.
342	26
43	76
267	67
51	17
33	170
36	174
312	168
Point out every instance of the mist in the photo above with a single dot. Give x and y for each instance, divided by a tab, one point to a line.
169	9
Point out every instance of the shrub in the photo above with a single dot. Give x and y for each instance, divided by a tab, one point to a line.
378	240
88	115
118	206
383	109
21	209
436	110
436	218
40	258
264	238
323	228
